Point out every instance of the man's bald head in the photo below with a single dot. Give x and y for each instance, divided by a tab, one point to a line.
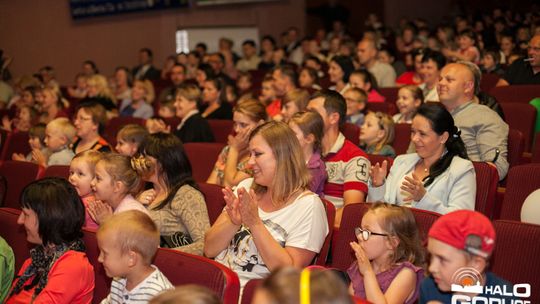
534	51
456	85
367	51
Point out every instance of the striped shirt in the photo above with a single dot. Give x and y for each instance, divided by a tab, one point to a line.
154	284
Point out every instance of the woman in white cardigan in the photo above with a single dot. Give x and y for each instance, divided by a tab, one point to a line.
438	177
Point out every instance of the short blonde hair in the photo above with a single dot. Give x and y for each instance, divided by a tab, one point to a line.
299	97
190	293
65	127
148	88
91	157
132	230
190	92
290	164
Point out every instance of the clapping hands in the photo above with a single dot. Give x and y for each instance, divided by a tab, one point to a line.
242	209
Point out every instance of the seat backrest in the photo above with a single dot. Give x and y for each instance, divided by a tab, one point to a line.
390	93
18	174
202	157
249	290
57	171
213	197
351	132
221	128
184	268
521	181
515	93
402	138
487	179
522	117
102	282
342	255
331	218
383	107
488	82
14	235
516	147
16	142
424	221
516	254
536	150
115	124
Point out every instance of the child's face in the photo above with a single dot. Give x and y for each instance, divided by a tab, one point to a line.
81	83
406	103
115	263
166	112
488	62
243	84
465	42
445	261
371	132
353	106
267	91
377	247
102	184
54	140
24	115
288	110
357	81
34	142
183	106
305	79
125	147
304	141
81	176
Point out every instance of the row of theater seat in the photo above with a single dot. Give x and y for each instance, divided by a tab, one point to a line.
515	257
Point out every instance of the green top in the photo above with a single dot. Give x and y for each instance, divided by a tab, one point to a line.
7	265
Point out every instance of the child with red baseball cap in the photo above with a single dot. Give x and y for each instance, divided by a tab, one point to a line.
460	244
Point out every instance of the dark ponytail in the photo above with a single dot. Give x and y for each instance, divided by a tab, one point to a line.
442	121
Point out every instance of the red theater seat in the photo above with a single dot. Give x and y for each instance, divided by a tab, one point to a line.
202	157
18	174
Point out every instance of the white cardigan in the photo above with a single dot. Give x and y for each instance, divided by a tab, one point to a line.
454	189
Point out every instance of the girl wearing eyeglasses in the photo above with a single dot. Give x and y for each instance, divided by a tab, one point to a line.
389	256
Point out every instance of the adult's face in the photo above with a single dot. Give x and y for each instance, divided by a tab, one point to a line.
29	219
335	72
280	83
534	51
430	73
427	142
177	75
455	84
84	125
365	52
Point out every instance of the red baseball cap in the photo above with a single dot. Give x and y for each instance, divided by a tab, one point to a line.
466	230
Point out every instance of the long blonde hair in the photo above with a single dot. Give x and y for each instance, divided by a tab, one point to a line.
290	164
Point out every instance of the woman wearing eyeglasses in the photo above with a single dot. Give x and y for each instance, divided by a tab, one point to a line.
389	256
438	177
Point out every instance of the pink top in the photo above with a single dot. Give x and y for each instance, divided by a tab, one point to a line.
89	223
129	203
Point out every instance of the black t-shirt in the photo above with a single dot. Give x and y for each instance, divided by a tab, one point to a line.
520	72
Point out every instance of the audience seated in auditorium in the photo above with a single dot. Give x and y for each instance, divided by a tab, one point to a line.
215	104
244	237
526	70
383	72
58	270
389	256
484	133
346	164
377	134
461	240
177	77
438	177
89	121
145	70
128	242
232	164
174	202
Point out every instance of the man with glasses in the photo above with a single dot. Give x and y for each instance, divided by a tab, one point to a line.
524	70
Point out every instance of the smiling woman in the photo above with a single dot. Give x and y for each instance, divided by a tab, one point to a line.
438	177
58	270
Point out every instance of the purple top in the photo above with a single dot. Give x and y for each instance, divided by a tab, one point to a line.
317	169
384	279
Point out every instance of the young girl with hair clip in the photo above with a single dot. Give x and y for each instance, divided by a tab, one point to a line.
389	256
81	174
114	184
438	177
377	133
410	97
175	203
309	128
231	165
271	220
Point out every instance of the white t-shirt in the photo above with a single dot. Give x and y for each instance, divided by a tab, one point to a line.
302	224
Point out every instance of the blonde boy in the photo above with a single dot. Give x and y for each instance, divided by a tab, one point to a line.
59	134
129	139
127	242
460	244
